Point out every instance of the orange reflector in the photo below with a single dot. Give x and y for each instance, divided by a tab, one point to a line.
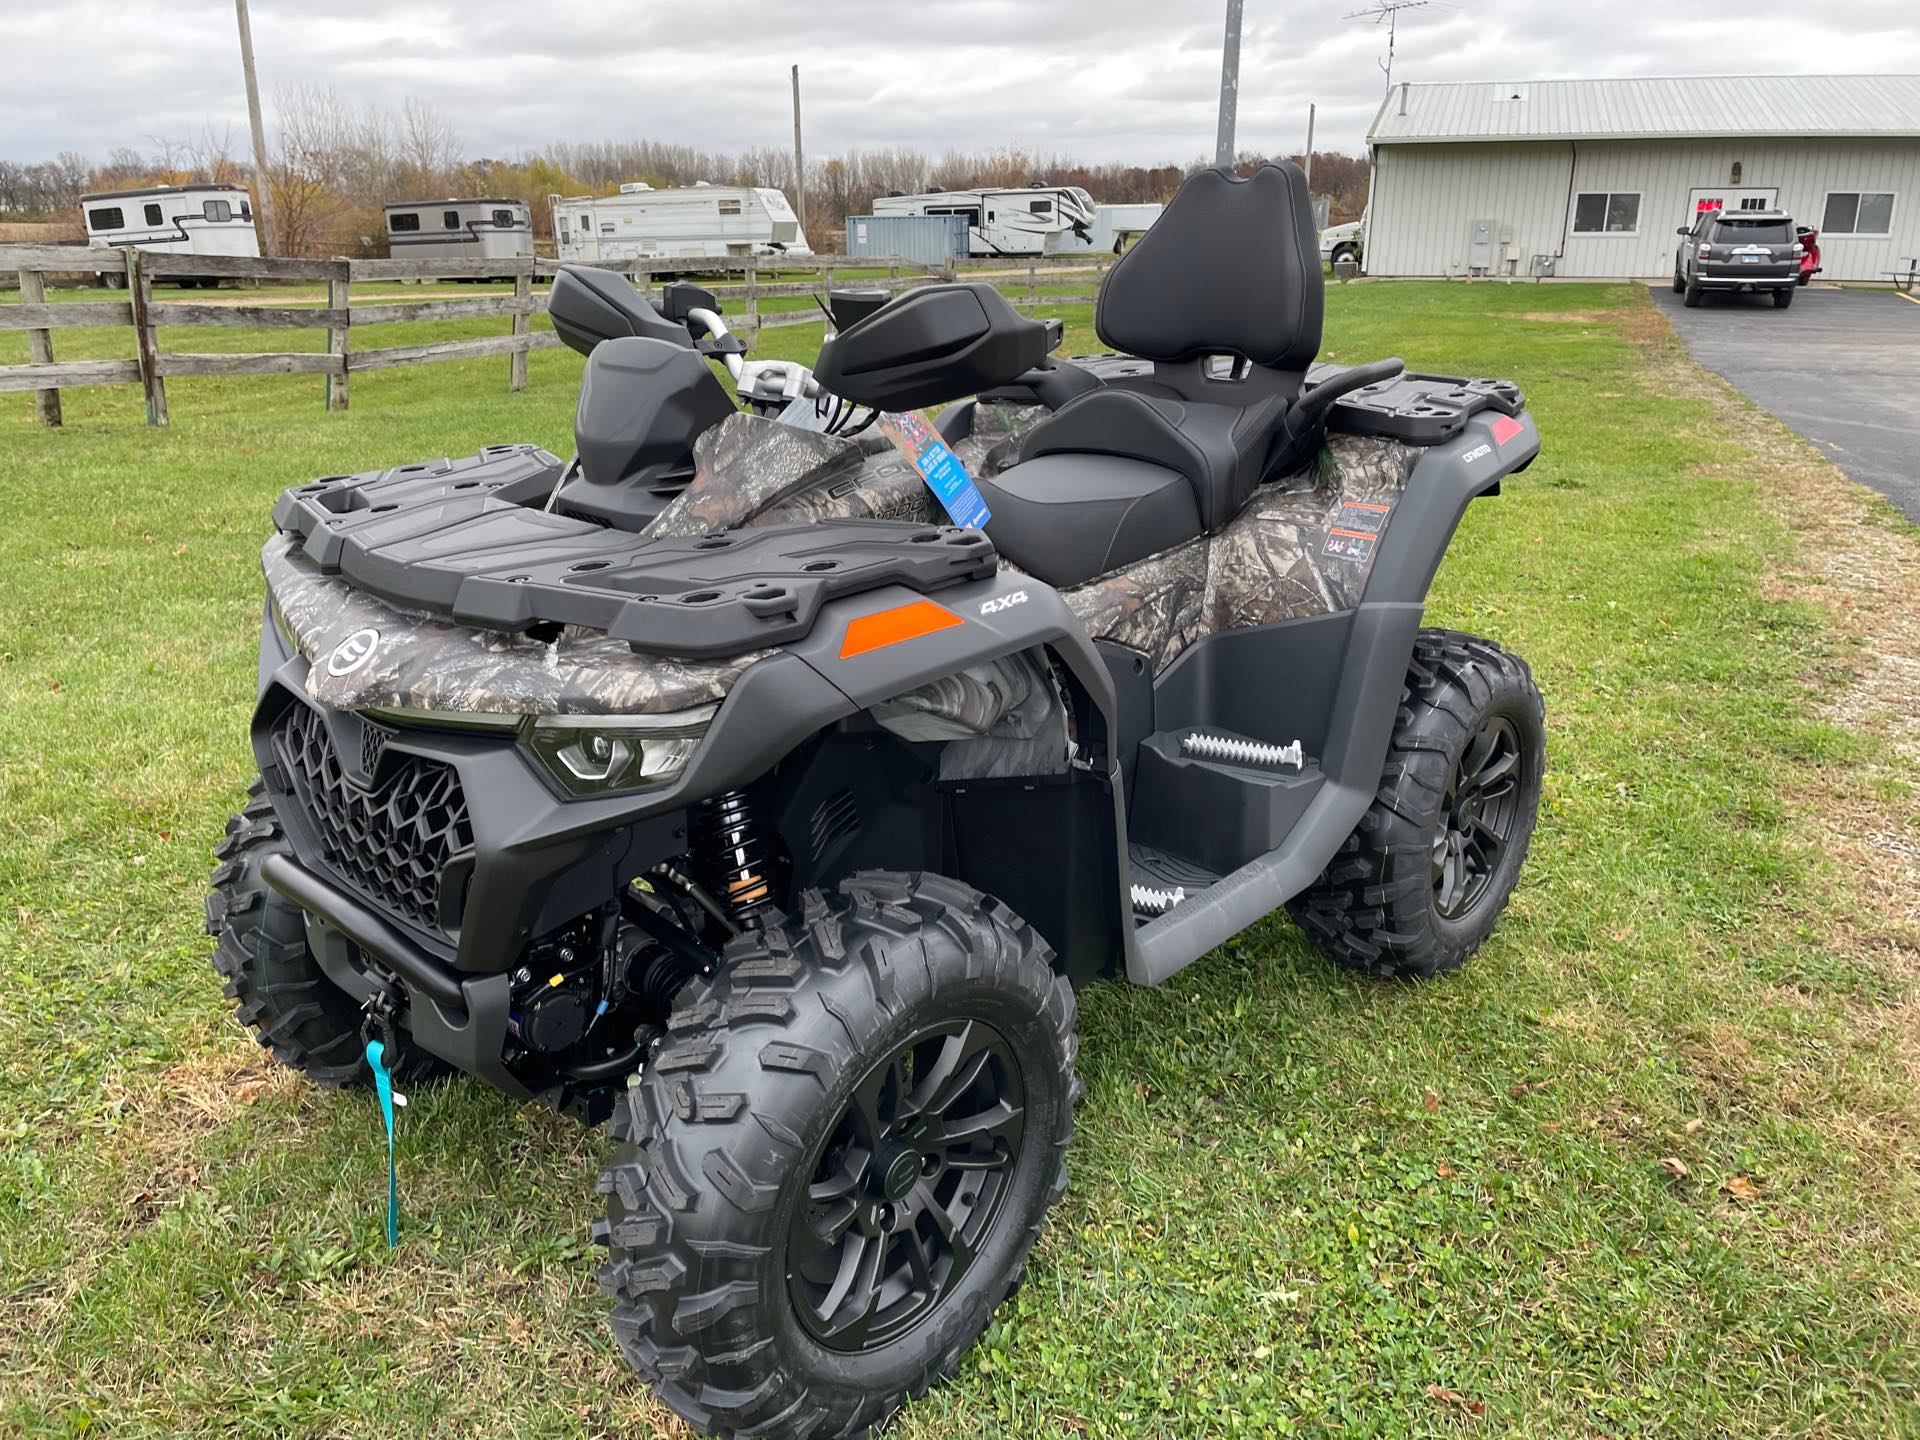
890	627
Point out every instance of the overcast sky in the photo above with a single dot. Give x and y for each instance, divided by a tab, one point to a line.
1101	79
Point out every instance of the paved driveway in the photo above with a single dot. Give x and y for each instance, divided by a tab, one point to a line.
1840	366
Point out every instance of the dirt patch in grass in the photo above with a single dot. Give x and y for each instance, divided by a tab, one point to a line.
1570	317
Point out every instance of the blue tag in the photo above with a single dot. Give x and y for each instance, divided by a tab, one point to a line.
939	467
383	1085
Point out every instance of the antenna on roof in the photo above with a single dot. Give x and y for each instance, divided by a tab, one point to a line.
1387	13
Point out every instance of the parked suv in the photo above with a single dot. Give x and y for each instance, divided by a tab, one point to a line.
1738	250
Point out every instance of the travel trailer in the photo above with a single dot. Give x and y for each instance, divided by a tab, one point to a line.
1029	220
201	219
459	229
642	223
1114	228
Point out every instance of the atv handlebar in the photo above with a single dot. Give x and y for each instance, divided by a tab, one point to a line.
767	382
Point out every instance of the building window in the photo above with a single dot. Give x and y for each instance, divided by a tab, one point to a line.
405	220
218	211
1599	212
1858	212
503	218
107	217
153	215
729	207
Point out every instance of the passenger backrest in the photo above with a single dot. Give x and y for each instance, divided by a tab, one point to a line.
1230	268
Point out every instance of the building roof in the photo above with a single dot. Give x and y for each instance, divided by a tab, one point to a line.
1670	107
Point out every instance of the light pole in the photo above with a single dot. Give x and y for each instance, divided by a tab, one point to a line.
1229	85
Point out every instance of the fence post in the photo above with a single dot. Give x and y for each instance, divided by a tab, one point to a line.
1033	293
146	342
753	302
339	298
33	291
522	327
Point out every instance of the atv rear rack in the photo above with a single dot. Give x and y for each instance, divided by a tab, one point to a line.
1415	408
458	538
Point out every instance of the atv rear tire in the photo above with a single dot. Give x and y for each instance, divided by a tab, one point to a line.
846	1095
277	988
1425	875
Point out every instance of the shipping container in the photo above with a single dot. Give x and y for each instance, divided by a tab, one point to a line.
923	239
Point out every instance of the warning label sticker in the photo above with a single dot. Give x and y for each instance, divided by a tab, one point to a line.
1356	530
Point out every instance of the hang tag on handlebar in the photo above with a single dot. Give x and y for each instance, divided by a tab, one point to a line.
939	467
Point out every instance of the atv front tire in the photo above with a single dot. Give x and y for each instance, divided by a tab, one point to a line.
835	1163
1422	880
277	988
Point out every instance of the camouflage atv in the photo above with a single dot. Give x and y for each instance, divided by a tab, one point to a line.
712	782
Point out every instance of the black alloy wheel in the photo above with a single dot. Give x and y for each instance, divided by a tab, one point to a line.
908	1188
1479	813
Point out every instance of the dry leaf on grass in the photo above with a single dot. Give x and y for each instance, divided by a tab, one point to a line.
1675	1166
1741	1188
1431	1101
1445	1172
1454	1397
1694	1126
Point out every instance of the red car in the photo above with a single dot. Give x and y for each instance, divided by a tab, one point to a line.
1809	239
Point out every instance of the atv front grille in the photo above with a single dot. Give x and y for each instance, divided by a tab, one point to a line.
391	842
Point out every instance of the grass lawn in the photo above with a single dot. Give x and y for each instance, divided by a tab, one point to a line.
1646	1167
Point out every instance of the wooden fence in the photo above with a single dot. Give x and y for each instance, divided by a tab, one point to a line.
151	367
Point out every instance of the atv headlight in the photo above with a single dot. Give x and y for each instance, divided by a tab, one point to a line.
609	754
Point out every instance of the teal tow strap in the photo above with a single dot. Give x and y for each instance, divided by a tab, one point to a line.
383	1083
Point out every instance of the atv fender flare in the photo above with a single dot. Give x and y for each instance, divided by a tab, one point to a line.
971	624
1379	649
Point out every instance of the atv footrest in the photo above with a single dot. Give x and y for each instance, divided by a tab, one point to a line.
1160	882
1217	797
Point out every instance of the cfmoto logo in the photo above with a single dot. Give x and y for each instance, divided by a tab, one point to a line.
353	652
1004	602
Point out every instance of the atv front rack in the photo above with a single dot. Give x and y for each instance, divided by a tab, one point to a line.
458	538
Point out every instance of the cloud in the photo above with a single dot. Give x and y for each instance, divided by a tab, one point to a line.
1105	79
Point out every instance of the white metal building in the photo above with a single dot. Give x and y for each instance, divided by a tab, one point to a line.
1592	177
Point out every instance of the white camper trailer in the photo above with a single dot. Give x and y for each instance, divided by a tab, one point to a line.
1030	220
642	223
1114	228
460	229
204	219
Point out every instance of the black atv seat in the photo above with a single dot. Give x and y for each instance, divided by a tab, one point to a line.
1230	269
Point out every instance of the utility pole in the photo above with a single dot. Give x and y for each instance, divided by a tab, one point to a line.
1309	164
1229	85
799	158
262	206
1387	13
